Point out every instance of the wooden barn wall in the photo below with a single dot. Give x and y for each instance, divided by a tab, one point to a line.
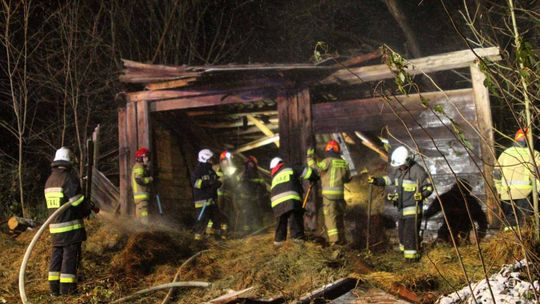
172	170
429	129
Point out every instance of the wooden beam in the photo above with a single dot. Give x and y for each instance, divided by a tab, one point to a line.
260	124
170	84
209	100
371	145
234	124
441	62
132	144
485	127
257	143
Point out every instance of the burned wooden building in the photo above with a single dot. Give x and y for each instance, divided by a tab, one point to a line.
280	109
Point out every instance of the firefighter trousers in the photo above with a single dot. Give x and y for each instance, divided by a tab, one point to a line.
141	211
206	214
333	210
293	219
523	212
63	268
409	227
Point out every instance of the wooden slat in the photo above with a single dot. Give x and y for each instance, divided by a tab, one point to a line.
206	101
441	62
264	128
170	84
485	126
123	161
104	192
257	143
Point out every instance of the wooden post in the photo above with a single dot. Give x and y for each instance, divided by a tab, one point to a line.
143	125
123	159
295	126
485	128
132	144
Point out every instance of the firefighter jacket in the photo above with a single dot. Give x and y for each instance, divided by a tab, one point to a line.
251	185
205	184
286	189
514	173
407	184
228	182
334	172
63	186
140	182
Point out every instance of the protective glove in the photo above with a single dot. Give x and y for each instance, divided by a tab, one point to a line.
310	152
418	196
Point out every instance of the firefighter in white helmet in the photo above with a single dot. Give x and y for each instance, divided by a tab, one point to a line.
410	186
67	229
286	198
205	184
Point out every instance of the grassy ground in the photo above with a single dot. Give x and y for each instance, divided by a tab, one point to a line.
119	260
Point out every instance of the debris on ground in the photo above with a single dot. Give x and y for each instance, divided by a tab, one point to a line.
507	286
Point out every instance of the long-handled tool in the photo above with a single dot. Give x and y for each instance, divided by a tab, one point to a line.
370	199
304	203
158	202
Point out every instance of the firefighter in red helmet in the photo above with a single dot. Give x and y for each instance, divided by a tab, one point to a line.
334	172
141	182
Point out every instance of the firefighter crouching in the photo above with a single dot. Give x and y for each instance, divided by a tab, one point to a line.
334	172
67	229
205	183
286	199
411	186
140	183
513	177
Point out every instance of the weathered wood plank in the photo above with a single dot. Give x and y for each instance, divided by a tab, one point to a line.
262	126
485	126
132	143
257	143
283	114
123	159
441	62
143	125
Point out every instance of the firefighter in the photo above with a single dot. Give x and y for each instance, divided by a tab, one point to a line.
513	178
411	185
286	199
205	185
455	203
251	188
141	182
227	174
67	229
334	172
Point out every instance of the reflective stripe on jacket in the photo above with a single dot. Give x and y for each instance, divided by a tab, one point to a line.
61	187
286	188
516	170
334	172
140	183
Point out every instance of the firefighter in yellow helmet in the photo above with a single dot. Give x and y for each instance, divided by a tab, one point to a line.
334	172
141	182
67	229
513	178
411	185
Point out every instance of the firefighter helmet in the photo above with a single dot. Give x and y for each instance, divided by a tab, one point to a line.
225	155
142	152
63	154
205	155
332	145
274	162
252	159
521	135
400	157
